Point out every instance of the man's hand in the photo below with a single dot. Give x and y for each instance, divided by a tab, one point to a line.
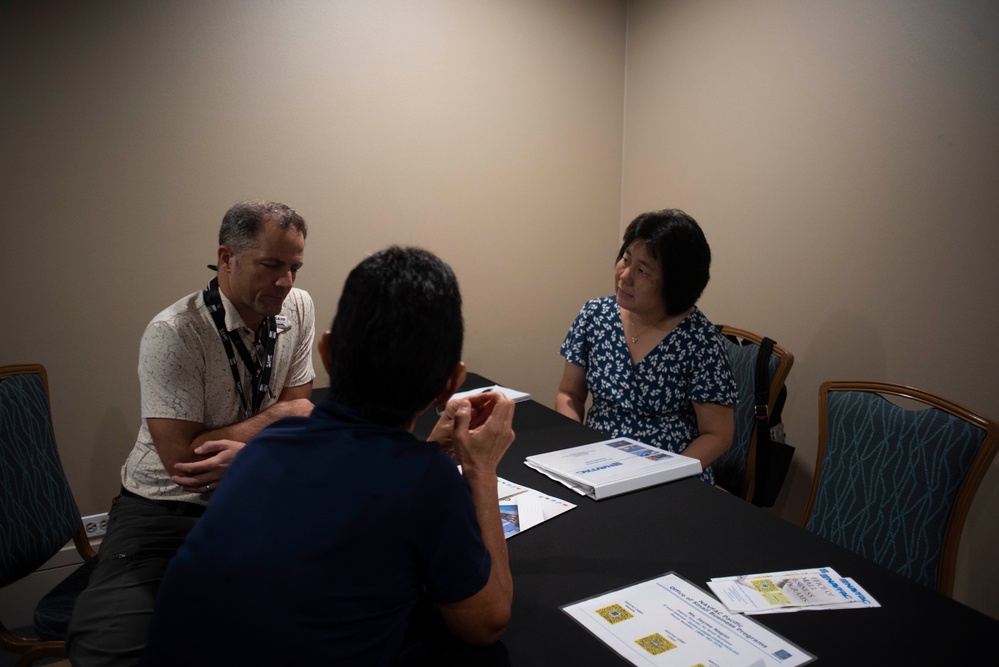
482	431
480	407
203	475
196	458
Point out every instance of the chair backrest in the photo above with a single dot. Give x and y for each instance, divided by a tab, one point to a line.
894	484
38	514
735	470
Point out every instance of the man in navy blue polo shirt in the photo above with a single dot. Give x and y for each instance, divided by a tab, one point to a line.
327	529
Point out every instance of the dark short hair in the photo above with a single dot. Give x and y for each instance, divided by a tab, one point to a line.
397	335
676	240
242	222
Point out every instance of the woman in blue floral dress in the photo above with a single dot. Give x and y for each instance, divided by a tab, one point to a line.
651	360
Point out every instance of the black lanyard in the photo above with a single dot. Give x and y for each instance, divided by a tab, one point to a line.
260	375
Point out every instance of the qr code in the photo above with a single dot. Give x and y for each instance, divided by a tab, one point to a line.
615	614
655	644
771	592
765	585
782	654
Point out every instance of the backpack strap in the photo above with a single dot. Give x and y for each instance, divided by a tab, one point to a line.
762	379
772	458
761	408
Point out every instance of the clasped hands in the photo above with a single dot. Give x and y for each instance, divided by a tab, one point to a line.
477	430
214	456
202	475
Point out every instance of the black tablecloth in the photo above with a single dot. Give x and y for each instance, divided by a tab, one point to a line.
700	532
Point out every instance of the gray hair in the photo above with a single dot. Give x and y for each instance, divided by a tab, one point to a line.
241	223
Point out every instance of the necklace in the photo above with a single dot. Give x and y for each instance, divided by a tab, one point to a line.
633	337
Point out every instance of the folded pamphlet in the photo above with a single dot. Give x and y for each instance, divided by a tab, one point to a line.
522	508
790	590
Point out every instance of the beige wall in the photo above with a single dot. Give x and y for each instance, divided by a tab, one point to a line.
843	158
840	155
488	132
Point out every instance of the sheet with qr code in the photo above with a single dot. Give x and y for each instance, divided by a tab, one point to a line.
813	589
670	622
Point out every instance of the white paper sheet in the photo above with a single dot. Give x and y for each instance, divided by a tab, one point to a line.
667	621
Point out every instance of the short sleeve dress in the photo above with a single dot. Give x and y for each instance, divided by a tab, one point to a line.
650	401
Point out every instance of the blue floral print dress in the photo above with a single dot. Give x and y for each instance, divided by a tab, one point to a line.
649	401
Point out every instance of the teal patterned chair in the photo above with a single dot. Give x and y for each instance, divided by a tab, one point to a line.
38	515
735	470
894	484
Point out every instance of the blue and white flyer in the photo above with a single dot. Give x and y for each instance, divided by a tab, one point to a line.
521	507
791	590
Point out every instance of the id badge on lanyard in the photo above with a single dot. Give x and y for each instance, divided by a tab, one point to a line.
260	374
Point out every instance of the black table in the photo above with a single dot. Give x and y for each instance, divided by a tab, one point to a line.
701	532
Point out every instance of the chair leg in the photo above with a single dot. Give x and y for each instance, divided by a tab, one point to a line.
30	649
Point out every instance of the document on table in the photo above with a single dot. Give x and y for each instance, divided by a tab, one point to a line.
521	507
513	394
790	590
611	467
667	621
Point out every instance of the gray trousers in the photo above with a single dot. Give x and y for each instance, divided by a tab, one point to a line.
111	617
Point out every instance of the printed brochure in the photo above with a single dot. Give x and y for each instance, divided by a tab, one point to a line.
791	590
522	508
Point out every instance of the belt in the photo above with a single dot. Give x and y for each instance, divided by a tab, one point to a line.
176	506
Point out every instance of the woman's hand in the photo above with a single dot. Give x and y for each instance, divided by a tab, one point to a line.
572	391
716	425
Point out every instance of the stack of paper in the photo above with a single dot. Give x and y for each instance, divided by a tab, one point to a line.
792	590
521	507
610	467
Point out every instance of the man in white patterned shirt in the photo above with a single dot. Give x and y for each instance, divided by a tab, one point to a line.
214	369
